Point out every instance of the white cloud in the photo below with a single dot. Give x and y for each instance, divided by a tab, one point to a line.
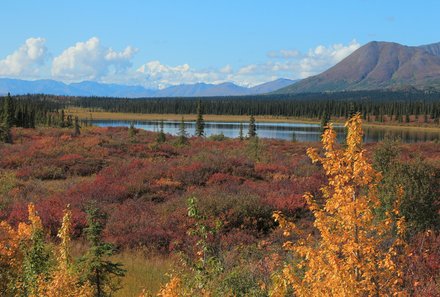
322	58
26	61
91	61
290	63
159	75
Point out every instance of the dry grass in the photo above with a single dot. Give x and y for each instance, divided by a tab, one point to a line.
143	272
84	114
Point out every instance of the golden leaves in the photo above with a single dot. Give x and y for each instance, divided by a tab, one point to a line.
349	258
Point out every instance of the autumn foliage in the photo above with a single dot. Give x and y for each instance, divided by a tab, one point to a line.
354	254
343	238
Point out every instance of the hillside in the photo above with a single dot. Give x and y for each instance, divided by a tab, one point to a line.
378	65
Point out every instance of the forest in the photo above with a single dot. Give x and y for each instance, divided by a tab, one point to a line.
376	106
89	211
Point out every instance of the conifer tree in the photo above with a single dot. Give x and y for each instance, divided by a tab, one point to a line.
131	131
200	124
62	119
240	134
103	274
325	118
7	120
69	121
252	127
161	138
182	136
76	131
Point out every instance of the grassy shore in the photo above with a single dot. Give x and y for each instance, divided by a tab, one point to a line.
85	114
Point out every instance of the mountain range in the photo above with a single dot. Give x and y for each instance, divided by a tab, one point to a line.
378	65
90	88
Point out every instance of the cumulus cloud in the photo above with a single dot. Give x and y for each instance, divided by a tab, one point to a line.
159	75
288	63
27	60
322	58
91	61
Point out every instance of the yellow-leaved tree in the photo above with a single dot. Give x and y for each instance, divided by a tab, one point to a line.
64	280
355	254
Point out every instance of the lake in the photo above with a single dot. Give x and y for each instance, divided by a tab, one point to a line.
300	131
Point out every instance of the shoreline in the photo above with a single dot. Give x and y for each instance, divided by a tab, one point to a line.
115	116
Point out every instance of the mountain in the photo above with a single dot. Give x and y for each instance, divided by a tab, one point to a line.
202	89
224	89
91	88
86	88
378	65
272	86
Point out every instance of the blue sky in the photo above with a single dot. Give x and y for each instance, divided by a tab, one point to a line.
161	43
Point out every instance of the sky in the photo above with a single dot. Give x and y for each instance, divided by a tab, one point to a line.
159	43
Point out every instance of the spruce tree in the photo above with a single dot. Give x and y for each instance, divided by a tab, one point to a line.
200	124
240	135
252	127
182	139
103	274
62	117
131	131
7	120
69	121
76	131
161	138
325	119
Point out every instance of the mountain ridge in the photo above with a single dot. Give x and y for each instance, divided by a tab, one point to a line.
91	88
377	65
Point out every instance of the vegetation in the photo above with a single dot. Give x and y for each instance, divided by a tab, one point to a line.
354	255
200	124
252	127
223	241
400	107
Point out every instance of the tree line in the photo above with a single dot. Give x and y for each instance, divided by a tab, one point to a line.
372	105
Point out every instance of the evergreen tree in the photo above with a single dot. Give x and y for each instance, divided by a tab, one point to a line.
103	274
252	127
76	131
182	139
7	120
200	124
62	117
240	135
131	131
325	118
69	121
161	138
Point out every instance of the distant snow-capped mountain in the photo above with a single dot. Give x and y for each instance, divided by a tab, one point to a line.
90	88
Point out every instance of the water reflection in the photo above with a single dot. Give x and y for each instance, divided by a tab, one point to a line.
287	131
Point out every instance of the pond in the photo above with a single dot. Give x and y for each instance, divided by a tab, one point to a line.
287	131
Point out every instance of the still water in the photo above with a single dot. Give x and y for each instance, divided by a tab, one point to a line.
286	131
